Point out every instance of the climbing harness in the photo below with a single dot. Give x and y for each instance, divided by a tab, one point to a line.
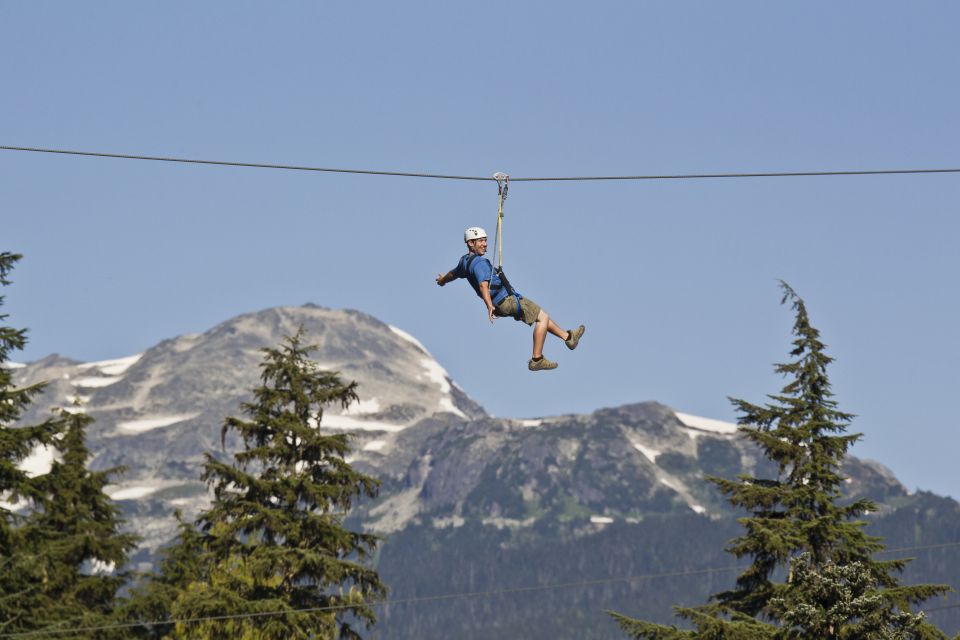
503	185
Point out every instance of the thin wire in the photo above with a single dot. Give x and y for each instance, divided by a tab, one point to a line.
440	597
921	548
759	174
256	165
410	174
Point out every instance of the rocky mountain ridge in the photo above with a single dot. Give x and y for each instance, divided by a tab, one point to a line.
157	413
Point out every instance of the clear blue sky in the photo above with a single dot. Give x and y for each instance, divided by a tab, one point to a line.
676	281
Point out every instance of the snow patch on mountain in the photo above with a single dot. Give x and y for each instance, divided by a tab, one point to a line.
648	453
131	492
375	445
530	422
409	338
348	423
508	523
148	424
433	372
705	424
673	484
114	367
452	521
438	374
396	511
91	382
683	491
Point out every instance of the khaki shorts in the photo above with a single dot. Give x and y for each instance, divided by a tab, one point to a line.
529	310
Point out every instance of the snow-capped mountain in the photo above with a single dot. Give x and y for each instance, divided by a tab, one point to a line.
468	502
157	412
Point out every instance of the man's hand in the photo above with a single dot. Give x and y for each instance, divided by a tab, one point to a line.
441	279
487	301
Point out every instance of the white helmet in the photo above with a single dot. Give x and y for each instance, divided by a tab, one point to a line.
474	233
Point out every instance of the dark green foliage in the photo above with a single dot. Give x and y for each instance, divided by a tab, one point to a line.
736	626
61	544
497	495
74	533
718	458
423	561
799	510
18	563
13	401
273	538
834	602
677	463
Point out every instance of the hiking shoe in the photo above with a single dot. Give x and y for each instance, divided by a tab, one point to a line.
574	338
541	365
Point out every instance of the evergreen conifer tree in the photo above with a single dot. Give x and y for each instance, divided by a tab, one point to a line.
76	530
833	602
18	561
800	511
274	535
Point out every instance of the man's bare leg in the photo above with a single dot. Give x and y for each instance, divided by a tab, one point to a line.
555	329
540	329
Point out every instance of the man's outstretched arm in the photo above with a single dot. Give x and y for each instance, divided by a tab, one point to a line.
444	278
487	300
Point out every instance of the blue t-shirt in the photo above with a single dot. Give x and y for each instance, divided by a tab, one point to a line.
481	270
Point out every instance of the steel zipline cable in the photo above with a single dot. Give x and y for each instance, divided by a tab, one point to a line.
439	176
61	632
254	165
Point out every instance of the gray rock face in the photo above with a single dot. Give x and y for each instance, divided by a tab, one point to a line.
443	460
158	412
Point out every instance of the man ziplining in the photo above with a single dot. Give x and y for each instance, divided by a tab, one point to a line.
502	301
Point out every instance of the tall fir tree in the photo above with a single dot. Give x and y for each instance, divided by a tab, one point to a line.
800	511
79	530
18	561
274	535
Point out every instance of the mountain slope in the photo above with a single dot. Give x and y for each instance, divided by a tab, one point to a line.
158	412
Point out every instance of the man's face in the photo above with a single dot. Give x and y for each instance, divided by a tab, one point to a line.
478	246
